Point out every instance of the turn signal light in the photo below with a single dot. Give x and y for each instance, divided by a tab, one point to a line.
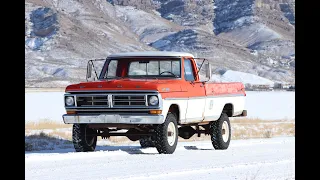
155	111
71	112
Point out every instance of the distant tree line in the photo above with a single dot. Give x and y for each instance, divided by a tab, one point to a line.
267	87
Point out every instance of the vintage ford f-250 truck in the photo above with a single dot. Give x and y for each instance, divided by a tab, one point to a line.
156	97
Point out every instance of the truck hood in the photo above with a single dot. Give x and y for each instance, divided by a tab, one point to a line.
128	84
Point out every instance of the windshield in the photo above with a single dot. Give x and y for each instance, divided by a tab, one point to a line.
142	68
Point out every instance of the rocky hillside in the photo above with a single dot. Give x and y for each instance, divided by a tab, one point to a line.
251	36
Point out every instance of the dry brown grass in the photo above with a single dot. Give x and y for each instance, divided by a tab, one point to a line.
46	125
259	121
240	129
257	128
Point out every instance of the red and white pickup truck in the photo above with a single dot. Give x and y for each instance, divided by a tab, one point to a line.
153	97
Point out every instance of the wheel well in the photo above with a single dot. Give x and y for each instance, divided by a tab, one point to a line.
174	108
228	109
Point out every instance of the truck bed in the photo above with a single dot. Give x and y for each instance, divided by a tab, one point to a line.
220	89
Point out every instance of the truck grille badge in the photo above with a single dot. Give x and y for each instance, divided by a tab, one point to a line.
110	100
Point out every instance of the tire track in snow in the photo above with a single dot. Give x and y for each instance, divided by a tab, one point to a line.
185	172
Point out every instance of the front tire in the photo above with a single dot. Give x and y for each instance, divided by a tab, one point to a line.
166	137
220	131
84	138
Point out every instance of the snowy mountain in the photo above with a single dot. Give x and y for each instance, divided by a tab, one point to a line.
245	78
249	36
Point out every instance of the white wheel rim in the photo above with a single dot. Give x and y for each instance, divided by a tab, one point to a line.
225	131
171	133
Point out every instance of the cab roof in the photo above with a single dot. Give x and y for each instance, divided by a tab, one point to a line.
151	54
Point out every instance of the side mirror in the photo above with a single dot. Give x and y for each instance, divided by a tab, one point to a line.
92	66
89	71
208	71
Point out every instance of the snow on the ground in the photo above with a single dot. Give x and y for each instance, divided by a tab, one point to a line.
270	105
272	158
245	78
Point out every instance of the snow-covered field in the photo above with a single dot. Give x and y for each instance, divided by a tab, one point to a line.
272	158
268	105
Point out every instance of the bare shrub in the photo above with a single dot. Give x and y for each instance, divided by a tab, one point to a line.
267	134
28	146
44	141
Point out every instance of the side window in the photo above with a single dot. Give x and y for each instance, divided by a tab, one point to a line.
188	73
112	68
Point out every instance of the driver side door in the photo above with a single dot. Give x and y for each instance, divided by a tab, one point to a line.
196	93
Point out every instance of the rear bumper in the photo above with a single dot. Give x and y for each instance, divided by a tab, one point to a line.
243	114
112	118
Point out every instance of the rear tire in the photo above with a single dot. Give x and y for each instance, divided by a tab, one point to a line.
166	137
220	131
146	142
84	138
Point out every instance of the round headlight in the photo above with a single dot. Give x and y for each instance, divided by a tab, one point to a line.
153	100
69	101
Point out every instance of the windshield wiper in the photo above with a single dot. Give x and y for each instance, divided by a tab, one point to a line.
113	77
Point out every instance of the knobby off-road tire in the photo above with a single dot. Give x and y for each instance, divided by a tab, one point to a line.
84	138
220	131
146	142
166	135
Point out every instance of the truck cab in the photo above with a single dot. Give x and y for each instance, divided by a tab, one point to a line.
155	97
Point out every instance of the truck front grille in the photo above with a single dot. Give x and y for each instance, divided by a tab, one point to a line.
93	100
129	100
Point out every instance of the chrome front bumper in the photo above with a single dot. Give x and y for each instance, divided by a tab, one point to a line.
112	118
